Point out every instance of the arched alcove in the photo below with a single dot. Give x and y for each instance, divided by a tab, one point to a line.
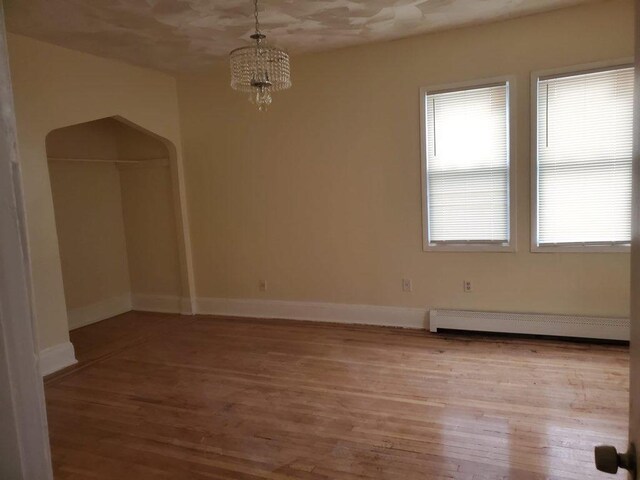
118	219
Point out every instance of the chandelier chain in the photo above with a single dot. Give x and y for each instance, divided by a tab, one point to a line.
255	14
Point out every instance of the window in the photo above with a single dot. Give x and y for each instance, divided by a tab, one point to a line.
582	187
466	160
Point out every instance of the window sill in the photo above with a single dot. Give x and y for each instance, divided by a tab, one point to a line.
470	248
581	249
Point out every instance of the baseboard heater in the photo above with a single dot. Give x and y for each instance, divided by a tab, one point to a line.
531	324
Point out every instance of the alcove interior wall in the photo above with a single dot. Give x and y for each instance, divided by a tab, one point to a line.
115	218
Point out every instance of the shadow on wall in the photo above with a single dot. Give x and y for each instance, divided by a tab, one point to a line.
116	208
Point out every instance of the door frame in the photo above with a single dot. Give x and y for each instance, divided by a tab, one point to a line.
24	444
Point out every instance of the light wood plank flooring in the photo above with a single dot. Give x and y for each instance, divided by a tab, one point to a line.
167	397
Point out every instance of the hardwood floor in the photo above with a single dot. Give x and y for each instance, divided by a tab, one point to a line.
169	397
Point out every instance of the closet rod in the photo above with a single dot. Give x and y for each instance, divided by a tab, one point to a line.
104	160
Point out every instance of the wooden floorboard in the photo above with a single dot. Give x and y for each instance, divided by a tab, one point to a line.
167	397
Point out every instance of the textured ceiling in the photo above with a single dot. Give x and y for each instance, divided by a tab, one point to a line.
175	35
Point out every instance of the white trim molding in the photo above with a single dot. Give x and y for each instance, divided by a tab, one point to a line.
56	358
605	328
161	303
187	306
24	446
511	245
110	307
535	76
315	311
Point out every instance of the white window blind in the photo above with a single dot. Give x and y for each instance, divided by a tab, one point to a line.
585	139
468	165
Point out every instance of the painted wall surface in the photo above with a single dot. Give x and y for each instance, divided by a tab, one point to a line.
150	231
149	216
90	228
55	87
96	139
321	195
88	213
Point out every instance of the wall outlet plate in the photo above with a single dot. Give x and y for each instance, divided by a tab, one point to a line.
467	286
406	285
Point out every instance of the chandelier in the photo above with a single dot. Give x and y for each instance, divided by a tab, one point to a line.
259	69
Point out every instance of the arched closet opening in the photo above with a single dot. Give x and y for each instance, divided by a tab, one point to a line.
117	220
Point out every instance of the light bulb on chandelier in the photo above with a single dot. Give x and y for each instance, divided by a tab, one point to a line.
259	69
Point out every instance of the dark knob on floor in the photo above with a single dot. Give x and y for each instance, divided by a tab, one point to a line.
607	459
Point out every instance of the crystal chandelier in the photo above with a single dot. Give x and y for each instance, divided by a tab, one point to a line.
259	69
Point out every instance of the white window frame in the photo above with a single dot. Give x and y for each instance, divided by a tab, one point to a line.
535	76
471	246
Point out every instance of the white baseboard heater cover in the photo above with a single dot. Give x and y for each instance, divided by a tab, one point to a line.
531	324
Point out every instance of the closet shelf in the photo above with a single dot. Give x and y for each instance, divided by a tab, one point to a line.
106	160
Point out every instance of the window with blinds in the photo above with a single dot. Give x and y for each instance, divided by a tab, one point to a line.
467	166
584	157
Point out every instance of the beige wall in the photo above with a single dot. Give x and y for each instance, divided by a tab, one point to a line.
56	87
90	229
133	144
150	231
88	213
96	139
321	195
149	216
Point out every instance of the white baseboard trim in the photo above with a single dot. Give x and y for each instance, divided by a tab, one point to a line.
315	311
161	303
56	358
405	317
523	323
79	317
605	328
187	306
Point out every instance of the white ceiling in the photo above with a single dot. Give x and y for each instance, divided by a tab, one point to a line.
175	35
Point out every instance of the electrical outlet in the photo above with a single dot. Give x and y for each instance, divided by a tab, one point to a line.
262	285
406	285
467	287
